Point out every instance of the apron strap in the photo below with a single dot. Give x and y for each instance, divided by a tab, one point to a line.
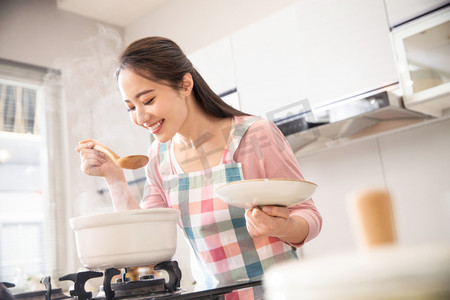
238	129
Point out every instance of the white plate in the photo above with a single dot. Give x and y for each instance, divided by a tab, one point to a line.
257	192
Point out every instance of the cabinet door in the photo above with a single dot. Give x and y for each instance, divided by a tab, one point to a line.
399	11
319	50
215	64
268	60
346	48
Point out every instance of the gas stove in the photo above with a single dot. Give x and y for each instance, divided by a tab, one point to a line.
145	288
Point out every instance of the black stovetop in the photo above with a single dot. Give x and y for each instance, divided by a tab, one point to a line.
143	289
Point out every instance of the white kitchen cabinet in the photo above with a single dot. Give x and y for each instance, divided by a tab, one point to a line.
268	63
320	50
347	46
399	11
216	65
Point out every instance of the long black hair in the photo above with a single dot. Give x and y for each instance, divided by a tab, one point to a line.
162	60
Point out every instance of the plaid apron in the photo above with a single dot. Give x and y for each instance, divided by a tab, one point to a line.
217	232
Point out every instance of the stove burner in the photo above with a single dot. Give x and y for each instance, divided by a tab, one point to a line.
171	267
47	281
123	288
145	285
139	287
109	274
79	280
4	292
8	284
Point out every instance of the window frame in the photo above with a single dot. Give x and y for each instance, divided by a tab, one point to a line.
54	157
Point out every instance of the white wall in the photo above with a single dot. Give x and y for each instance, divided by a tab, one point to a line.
414	165
36	32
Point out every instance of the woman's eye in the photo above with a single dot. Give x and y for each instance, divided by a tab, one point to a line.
145	103
149	101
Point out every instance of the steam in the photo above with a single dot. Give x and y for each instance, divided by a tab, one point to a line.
91	202
93	108
88	86
88	81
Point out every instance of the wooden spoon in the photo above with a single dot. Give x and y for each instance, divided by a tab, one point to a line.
126	162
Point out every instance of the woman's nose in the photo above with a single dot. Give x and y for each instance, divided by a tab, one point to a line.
142	116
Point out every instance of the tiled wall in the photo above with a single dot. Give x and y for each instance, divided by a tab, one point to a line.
413	164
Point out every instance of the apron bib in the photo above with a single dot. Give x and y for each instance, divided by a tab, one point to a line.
217	232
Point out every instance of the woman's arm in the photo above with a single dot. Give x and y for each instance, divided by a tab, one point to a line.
265	153
121	195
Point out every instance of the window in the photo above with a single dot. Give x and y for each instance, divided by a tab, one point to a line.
27	220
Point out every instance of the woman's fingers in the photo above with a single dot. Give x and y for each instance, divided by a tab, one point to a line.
276	211
91	160
267	221
84	144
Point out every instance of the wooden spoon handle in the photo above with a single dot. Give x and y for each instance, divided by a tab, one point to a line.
107	151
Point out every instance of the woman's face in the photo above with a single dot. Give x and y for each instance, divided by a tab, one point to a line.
154	106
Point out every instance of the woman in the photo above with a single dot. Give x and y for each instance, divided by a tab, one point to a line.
202	143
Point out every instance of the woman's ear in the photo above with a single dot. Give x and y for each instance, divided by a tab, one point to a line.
187	85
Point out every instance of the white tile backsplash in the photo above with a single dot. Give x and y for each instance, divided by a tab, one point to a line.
413	164
417	171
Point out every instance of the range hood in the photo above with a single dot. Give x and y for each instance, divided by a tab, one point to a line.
371	113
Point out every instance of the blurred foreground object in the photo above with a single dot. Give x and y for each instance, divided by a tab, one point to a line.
373	218
380	270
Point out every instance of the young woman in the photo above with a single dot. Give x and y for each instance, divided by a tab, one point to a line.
202	143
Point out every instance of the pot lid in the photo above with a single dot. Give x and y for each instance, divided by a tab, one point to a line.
125	217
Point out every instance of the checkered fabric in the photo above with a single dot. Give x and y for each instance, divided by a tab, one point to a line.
217	232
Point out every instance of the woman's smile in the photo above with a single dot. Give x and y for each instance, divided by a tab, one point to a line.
156	126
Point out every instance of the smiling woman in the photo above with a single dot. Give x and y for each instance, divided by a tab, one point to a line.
202	143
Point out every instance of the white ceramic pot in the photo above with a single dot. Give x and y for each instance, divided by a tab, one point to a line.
126	238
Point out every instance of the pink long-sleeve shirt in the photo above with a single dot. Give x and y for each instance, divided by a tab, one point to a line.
263	153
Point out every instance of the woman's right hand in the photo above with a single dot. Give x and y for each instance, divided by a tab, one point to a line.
93	162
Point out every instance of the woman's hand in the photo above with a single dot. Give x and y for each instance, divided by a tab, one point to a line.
275	221
96	163
93	162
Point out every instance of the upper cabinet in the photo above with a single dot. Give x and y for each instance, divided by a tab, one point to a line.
216	65
322	51
346	48
314	53
423	59
400	11
268	59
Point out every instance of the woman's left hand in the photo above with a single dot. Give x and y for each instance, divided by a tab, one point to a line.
267	221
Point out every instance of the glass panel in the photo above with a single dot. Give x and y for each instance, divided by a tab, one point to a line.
428	57
24	239
21	249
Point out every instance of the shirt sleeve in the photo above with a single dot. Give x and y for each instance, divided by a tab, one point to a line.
265	153
153	195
